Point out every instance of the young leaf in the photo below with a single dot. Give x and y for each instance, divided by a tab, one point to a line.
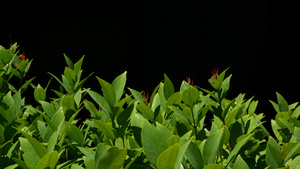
77	65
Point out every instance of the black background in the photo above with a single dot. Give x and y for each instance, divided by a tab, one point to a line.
258	40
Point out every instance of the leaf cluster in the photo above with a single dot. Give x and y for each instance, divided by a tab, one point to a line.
125	128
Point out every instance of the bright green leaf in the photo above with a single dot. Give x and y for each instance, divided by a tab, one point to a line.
190	96
108	91
212	147
48	161
240	163
119	84
168	87
168	157
273	154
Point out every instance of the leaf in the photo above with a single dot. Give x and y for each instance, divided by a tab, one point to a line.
168	157
77	65
190	96
153	142
145	111
69	62
240	163
137	95
101	101
212	146
168	87
70	75
224	88
113	158
108	91
39	93
214	166
48	161
241	141
32	154
119	84
283	105
180	113
174	99
105	128
75	135
273	154
194	156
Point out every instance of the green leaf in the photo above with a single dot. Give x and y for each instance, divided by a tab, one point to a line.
101	149
26	84
224	88
190	96
180	113
241	141
39	93
145	111
48	161
70	75
33	151
168	157
113	158
75	135
174	99
212	146
153	142
101	101
119	84
108	91
137	95
240	163
69	62
105	128
283	105
220	79
168	87
273	154
214	166
194	156
77	65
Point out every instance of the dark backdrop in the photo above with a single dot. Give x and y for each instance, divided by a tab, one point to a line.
259	41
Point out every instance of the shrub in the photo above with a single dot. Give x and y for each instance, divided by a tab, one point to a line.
126	128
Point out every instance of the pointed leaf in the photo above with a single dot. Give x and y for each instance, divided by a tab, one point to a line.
101	101
240	163
273	154
48	161
119	84
105	128
168	87
69	62
194	156
283	105
212	146
108	91
39	93
113	158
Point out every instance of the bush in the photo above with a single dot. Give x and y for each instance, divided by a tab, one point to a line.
132	129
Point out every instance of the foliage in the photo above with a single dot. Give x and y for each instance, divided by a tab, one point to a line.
124	128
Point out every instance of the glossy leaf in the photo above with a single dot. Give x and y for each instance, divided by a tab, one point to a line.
283	105
101	101
190	96
194	156
240	163
39	94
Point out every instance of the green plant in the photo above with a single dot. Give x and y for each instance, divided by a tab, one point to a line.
124	128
